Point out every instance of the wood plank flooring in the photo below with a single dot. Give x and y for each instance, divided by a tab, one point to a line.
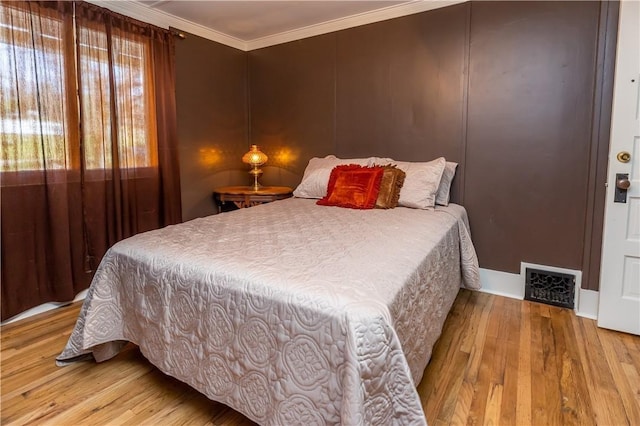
499	361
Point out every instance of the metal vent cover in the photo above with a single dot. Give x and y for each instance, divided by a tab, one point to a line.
552	288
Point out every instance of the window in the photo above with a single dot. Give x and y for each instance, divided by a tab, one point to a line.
132	101
33	97
47	123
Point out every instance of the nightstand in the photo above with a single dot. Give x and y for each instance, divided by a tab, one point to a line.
236	197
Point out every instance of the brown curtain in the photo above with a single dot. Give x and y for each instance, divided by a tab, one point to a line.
89	153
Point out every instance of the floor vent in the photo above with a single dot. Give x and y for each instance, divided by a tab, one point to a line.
552	288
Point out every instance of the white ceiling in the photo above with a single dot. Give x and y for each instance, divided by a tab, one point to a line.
249	25
250	20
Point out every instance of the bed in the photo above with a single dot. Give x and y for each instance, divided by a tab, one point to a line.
288	312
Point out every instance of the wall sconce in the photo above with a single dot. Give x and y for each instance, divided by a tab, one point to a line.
255	158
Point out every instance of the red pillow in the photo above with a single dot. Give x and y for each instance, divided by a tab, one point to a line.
353	186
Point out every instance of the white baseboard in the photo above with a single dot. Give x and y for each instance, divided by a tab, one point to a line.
512	285
44	308
587	305
502	283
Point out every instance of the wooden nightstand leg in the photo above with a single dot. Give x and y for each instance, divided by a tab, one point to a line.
217	203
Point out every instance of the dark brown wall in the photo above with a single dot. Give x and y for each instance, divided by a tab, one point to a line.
211	96
531	85
505	88
309	97
400	87
292	89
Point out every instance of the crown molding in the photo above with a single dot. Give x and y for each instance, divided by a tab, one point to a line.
162	19
364	18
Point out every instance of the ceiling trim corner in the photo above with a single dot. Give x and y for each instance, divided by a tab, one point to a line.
364	18
162	19
165	20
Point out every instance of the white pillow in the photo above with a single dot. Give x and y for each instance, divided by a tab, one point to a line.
442	197
381	161
421	183
316	176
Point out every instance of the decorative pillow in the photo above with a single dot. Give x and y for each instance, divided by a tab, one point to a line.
390	186
353	186
421	183
442	197
316	175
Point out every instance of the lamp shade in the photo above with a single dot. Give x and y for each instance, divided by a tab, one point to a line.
255	157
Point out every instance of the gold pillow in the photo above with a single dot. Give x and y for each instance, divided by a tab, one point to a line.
390	186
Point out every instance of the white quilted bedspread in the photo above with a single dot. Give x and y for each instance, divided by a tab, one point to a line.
289	312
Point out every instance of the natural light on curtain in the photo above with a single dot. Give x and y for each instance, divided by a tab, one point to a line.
131	76
38	119
88	143
33	100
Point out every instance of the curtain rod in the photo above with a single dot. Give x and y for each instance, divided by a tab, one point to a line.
177	33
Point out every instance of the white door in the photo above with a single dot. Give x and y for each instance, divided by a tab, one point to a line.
620	273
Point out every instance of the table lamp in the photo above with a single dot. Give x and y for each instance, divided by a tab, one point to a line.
255	158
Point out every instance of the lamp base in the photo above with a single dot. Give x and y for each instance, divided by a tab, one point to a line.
256	172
